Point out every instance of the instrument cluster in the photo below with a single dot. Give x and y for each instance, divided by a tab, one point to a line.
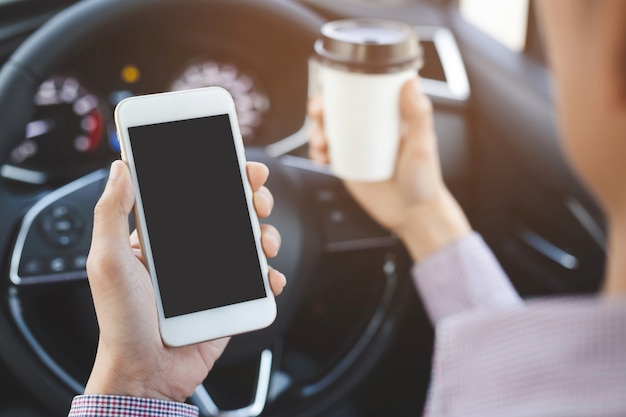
72	131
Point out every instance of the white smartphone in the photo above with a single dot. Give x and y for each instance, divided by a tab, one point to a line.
194	214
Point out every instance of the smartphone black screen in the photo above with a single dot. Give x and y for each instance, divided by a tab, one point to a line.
196	214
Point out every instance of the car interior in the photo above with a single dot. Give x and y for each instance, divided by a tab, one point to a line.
351	337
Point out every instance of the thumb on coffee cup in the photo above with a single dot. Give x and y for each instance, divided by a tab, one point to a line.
416	110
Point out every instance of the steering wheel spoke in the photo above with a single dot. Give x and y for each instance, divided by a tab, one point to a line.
208	407
344	226
53	240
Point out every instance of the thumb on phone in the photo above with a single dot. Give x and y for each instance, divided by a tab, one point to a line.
110	239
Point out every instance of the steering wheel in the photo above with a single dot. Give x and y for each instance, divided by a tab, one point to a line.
48	331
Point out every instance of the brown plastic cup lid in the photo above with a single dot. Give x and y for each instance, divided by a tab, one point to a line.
369	45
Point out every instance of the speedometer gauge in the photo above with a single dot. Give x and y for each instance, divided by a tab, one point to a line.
62	141
251	102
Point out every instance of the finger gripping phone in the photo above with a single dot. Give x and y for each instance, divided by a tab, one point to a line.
199	233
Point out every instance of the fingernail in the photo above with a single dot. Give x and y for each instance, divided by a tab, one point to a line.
276	244
417	85
314	106
265	199
114	172
284	278
416	91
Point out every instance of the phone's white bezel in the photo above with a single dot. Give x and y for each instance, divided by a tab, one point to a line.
180	105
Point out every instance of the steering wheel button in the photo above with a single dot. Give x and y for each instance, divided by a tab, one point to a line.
31	267
58	265
59	211
62	225
337	216
79	262
326	195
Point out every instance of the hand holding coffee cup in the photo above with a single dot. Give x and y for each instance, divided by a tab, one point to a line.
361	65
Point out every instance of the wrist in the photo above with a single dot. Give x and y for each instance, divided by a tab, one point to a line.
107	378
433	225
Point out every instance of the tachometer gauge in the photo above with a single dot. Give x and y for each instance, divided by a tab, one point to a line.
250	101
63	139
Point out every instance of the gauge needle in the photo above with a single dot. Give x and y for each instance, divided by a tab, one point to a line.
39	127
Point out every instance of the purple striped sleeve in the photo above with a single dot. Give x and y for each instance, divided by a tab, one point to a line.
462	276
558	357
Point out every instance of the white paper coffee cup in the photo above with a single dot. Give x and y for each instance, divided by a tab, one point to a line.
362	65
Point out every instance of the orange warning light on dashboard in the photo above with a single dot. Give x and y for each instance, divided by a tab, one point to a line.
130	74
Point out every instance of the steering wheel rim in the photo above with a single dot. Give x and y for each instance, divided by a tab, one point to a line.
37	57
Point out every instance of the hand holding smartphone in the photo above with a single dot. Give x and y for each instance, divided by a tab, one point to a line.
196	222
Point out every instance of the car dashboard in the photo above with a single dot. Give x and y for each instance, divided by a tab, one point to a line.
72	131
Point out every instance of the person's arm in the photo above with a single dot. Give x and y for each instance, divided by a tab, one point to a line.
134	372
557	356
454	269
460	276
